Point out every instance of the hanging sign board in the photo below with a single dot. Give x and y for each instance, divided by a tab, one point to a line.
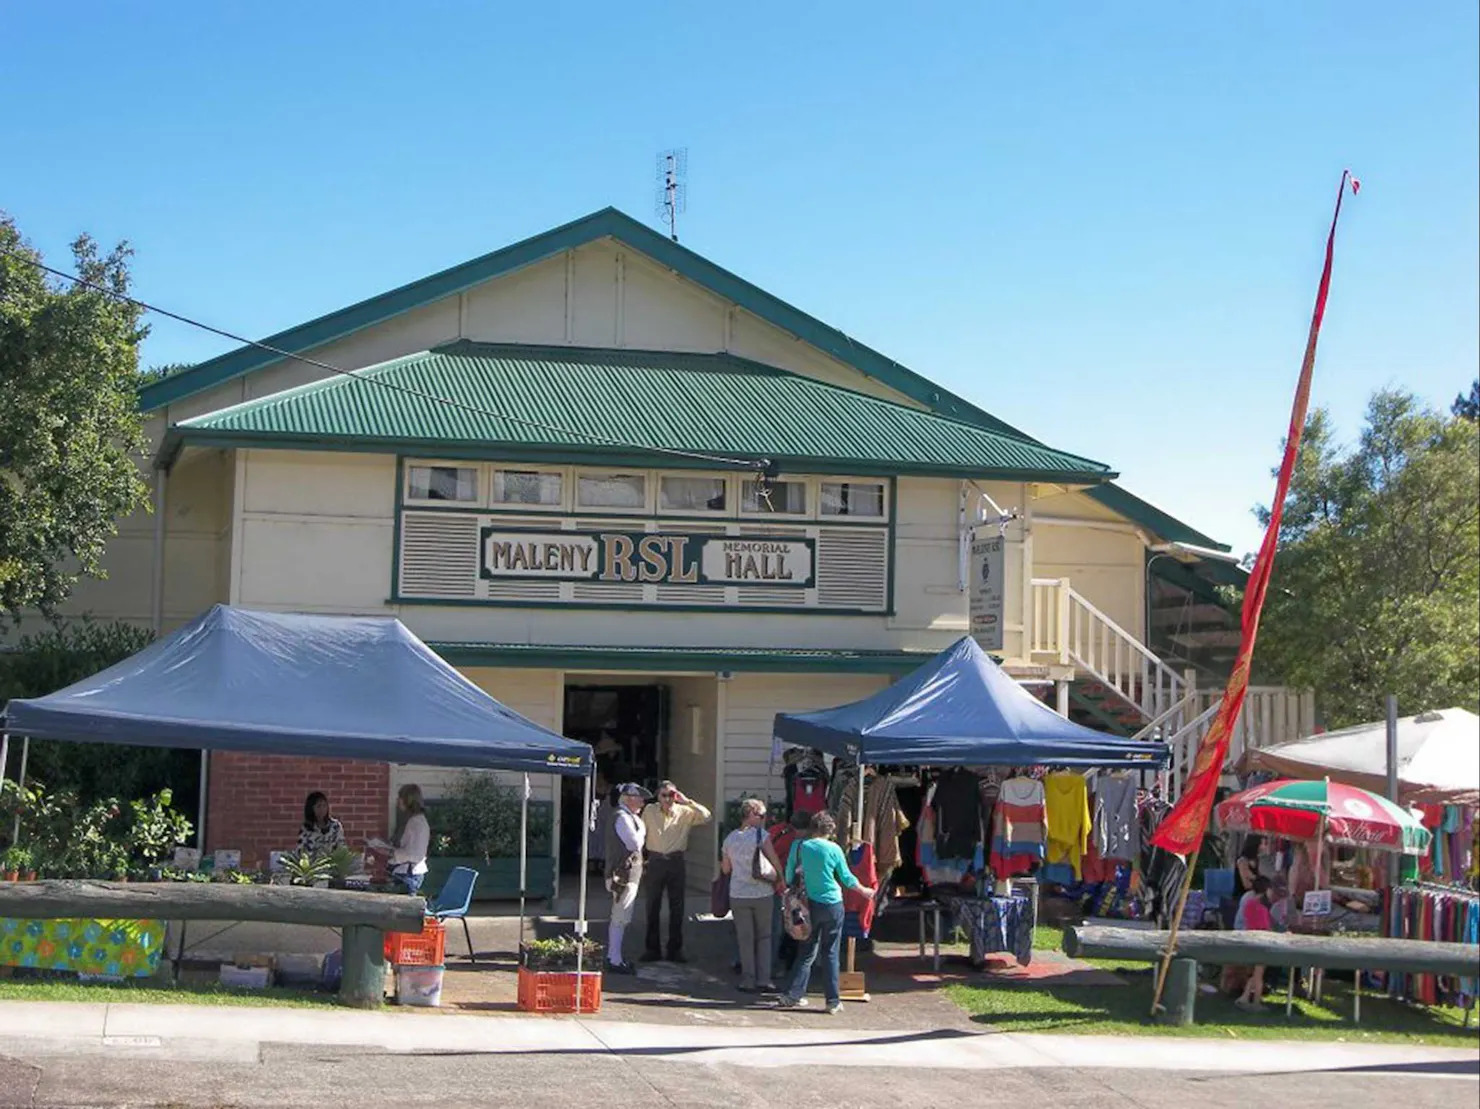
988	591
668	559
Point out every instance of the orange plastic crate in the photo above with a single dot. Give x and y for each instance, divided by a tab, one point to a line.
410	949
545	991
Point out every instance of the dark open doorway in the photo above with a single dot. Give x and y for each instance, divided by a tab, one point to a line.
627	727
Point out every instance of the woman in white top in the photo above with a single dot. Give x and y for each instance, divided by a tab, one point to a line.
408	860
752	899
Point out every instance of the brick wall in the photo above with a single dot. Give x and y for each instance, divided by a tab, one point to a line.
256	801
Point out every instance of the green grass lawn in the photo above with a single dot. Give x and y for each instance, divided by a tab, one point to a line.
153	991
1122	1011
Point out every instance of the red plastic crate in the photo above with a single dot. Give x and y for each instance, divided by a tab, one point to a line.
410	949
544	991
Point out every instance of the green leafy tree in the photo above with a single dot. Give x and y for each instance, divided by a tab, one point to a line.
1467	407
162	371
1376	585
71	437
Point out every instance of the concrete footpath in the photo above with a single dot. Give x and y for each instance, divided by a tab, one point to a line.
42	1030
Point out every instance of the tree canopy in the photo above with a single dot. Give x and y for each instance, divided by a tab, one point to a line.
1467	405
1376	586
71	438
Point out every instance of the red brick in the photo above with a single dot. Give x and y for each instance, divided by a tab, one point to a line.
255	802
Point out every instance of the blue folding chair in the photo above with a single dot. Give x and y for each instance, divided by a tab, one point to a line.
455	899
1218	892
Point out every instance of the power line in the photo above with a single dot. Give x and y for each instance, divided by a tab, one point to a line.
762	465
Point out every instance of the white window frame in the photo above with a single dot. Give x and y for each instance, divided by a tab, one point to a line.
882	483
809	488
566	486
480	472
726	513
649	486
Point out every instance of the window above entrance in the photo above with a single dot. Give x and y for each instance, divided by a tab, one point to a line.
533	488
442	484
853	498
693	494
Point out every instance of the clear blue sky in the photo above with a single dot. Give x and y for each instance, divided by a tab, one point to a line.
1102	223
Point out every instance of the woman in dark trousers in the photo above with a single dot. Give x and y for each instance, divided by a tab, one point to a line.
824	870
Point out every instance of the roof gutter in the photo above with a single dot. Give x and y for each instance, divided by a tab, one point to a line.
1192	550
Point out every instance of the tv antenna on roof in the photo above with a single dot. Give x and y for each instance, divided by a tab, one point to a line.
673	188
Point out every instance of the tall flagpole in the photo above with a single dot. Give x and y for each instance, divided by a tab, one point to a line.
1181	833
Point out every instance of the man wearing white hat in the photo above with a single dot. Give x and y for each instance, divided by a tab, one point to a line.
625	837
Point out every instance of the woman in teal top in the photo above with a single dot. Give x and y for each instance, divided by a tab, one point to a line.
824	873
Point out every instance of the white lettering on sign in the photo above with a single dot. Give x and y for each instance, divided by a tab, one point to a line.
988	591
757	561
523	554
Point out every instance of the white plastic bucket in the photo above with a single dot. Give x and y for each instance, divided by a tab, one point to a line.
421	986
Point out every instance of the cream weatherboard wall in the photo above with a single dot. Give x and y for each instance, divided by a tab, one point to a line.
536	694
1103	556
750	705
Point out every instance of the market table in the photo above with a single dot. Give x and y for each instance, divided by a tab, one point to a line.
922	908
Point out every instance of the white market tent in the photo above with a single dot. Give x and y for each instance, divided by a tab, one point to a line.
1438	757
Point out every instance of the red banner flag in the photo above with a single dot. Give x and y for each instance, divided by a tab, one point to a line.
1182	831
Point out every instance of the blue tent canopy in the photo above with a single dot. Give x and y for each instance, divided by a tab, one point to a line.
322	686
960	709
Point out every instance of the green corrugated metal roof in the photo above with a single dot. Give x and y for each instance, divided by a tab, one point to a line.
561	402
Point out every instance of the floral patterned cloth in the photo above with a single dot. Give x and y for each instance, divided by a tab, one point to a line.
115	948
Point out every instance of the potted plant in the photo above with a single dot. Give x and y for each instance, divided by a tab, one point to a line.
15	865
549	982
155	830
304	869
476	825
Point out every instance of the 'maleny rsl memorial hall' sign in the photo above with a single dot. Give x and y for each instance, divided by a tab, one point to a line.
664	558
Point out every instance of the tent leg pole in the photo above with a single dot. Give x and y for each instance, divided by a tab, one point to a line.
523	857
4	755
15	832
581	896
200	813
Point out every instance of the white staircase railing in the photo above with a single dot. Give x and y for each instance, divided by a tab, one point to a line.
1067	625
1270	714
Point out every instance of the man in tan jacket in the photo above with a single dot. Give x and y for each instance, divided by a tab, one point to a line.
668	824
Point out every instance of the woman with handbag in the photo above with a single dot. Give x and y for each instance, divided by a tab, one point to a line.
752	868
822	869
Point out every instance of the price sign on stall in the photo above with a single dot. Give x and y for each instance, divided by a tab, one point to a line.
1317	903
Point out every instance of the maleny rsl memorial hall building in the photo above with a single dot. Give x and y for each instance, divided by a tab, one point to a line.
654	506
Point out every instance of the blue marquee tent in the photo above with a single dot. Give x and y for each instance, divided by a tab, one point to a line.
960	709
286	684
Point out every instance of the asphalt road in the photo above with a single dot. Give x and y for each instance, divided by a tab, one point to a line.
326	1077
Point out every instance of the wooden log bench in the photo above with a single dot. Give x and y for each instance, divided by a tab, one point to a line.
1279	949
364	918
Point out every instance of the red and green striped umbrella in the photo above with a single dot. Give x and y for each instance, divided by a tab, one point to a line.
1293	809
